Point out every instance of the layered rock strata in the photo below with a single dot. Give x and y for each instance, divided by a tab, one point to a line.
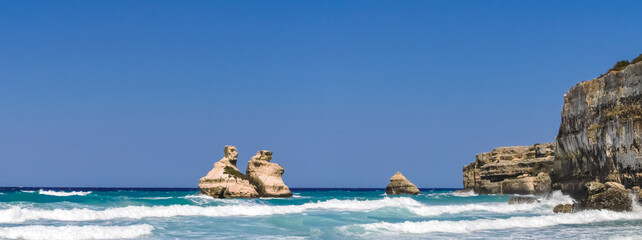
267	176
225	180
600	137
400	185
511	170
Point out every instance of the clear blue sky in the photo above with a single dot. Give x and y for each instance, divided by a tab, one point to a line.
345	93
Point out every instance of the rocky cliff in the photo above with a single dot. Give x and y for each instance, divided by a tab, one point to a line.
511	170
600	136
267	176
225	180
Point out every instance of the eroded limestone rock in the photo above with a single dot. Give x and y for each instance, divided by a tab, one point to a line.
564	208
595	187
511	170
613	199
225	180
267	176
400	185
600	136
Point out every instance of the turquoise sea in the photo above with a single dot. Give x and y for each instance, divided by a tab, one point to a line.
88	213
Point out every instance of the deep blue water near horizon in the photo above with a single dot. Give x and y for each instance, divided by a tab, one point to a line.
313	213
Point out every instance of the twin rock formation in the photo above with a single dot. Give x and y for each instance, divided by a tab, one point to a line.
597	155
262	178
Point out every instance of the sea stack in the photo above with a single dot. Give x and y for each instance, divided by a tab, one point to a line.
267	176
225	180
400	185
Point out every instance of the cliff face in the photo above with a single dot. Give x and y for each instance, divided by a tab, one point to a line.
600	136
511	170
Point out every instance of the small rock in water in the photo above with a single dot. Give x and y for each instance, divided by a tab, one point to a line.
563	208
400	185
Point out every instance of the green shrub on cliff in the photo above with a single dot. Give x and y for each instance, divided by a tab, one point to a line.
619	66
637	59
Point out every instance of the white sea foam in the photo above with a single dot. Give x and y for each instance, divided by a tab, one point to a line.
486	207
28	191
202	199
235	207
467	226
19	214
544	205
464	194
63	194
75	232
627	237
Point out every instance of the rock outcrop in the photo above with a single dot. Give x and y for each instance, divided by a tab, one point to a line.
225	180
511	170
600	136
400	185
267	176
564	208
612	196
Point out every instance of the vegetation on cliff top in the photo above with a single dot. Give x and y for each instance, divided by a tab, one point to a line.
621	65
637	59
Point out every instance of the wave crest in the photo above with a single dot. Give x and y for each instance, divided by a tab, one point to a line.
467	226
75	232
63	194
18	214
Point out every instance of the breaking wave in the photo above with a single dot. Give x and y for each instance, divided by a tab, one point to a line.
63	194
19	214
464	194
235	207
467	226
75	232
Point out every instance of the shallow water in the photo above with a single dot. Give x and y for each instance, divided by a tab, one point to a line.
34	213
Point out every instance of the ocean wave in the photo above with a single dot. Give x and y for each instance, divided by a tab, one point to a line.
75	232
202	199
63	194
155	198
19	214
544	205
627	237
467	226
488	207
465	194
28	191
